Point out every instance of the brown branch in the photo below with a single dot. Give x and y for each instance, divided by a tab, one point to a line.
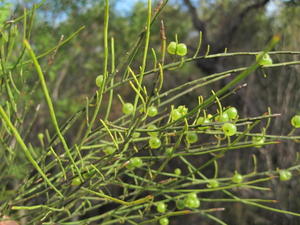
236	22
199	24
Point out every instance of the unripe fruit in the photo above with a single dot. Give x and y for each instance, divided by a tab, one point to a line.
285	175
152	133
229	129
191	137
135	162
295	121
213	184
237	178
127	108
232	113
109	150
154	142
258	141
164	221
76	181
177	171
99	80
152	111
175	114
172	48
265	59
181	49
222	118
161	207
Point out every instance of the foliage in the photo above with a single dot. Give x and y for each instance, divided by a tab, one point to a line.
111	167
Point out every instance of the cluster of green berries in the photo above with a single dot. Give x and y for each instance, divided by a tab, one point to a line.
179	112
190	201
264	59
161	207
177	48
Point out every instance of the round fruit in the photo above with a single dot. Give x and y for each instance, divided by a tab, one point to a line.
152	111
136	134
222	118
201	121
191	137
192	195
127	108
152	133
164	221
135	162
154	142
285	175
258	141
180	204
175	114
161	207
99	80
213	184
182	109
169	151
177	171
295	121
232	113
181	49
172	48
229	129
237	178
109	150
264	60
192	203
76	181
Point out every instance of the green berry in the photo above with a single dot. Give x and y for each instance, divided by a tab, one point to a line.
175	114
285	175
76	181
265	59
237	178
152	133
181	49
136	134
182	109
201	121
295	121
177	171
152	111
229	129
164	221
161	207
154	142
99	80
191	137
172	48
192	195
232	113
258	141
135	162
169	151
192	203
213	184
127	108
180	204
109	150
41	136
222	118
